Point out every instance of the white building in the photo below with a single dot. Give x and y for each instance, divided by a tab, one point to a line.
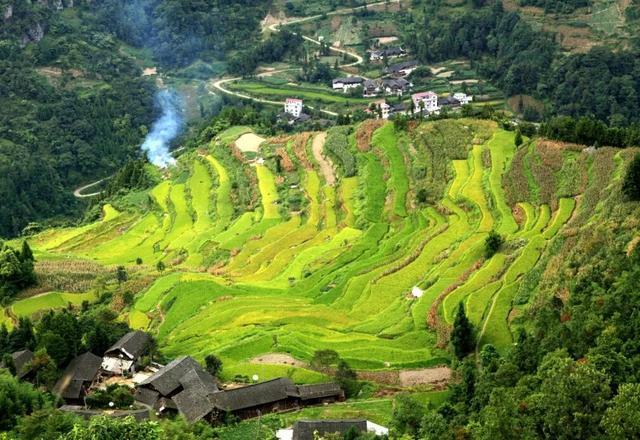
310	429
425	101
463	98
293	107
347	83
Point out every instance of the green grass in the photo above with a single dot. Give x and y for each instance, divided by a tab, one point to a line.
268	191
385	138
338	272
322	94
47	301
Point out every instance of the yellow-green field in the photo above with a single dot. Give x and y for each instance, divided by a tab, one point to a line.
339	272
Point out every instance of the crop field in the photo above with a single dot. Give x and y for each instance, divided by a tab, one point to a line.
248	279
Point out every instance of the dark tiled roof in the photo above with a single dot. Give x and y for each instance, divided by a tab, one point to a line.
133	345
255	395
146	396
320	390
167	379
83	368
449	100
193	404
20	361
304	429
349	80
401	66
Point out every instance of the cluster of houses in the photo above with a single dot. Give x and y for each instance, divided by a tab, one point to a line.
387	53
425	103
373	87
181	387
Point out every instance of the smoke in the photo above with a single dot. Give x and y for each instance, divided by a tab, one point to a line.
164	130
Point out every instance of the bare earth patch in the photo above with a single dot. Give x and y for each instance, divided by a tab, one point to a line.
249	142
149	71
446	74
278	359
325	165
387	40
465	81
425	376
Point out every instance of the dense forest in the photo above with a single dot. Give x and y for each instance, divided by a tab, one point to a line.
74	107
522	60
181	31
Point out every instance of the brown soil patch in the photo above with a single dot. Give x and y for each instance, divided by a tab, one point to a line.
249	142
365	131
465	81
436	377
387	40
278	359
336	21
577	39
325	164
285	160
299	148
425	376
446	74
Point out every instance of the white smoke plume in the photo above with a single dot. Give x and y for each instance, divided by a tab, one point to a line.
164	129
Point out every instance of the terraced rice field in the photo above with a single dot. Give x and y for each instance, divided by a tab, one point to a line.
336	274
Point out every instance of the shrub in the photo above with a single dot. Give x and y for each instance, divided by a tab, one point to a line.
492	244
631	183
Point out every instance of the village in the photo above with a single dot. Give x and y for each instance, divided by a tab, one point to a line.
390	89
184	388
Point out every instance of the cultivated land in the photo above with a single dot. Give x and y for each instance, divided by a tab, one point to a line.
336	269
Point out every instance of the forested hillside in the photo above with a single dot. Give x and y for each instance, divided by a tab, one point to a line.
180	31
73	107
523	60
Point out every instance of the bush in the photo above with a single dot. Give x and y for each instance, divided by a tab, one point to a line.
347	379
120	395
631	183
324	358
492	244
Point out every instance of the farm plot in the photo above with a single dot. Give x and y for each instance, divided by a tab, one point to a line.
245	279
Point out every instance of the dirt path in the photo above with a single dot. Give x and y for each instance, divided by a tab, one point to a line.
325	163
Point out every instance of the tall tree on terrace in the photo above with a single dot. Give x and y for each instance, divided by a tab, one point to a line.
463	338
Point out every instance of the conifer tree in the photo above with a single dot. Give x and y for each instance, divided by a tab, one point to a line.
463	334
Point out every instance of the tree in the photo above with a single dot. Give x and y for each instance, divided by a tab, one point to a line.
213	364
518	139
26	253
434	427
17	399
347	379
492	244
46	423
160	266
107	428
324	358
407	415
463	334
631	183
121	274
622	419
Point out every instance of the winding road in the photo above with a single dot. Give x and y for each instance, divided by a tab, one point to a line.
220	84
79	192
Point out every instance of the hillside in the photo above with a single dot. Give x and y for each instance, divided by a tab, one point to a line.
269	258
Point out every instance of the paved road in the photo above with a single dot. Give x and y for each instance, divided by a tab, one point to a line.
220	84
79	192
